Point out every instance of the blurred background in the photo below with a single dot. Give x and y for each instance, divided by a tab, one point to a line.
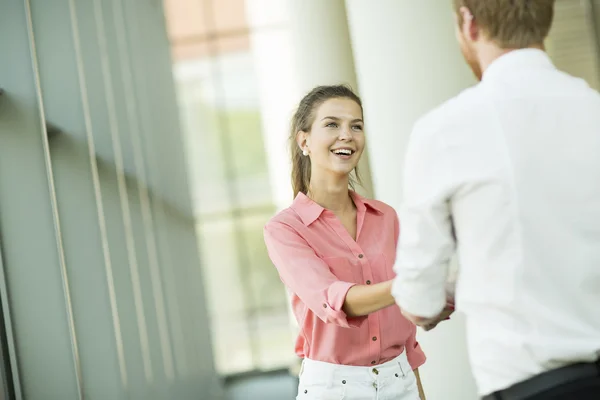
143	146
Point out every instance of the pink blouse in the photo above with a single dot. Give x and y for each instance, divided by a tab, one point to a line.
318	261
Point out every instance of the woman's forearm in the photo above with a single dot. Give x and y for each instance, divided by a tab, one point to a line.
366	299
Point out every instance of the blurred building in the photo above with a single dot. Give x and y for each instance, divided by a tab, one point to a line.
143	145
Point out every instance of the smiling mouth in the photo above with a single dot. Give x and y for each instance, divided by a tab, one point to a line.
343	152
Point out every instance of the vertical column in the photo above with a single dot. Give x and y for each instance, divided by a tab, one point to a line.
321	43
407	62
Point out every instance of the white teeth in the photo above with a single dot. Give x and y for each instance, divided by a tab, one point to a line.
345	152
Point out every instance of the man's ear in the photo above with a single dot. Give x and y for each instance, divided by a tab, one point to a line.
469	27
302	140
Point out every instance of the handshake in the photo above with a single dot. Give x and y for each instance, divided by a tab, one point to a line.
429	323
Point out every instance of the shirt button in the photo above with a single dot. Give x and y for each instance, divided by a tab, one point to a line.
374	338
368	282
344	382
360	256
373	362
324	305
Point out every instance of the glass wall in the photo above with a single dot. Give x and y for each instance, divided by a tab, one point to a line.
219	104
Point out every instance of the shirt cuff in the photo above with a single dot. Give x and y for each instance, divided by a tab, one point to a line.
418	300
416	356
336	296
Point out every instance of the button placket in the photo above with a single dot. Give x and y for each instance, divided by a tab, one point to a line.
374	328
365	266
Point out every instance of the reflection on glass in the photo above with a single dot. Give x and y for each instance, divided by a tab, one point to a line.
218	98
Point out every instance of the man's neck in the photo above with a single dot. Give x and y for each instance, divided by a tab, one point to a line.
489	52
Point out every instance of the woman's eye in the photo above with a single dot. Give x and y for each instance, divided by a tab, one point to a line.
331	125
357	127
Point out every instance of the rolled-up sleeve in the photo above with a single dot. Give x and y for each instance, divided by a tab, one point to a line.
414	353
307	275
427	241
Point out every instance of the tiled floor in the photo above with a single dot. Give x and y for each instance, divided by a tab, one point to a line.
279	386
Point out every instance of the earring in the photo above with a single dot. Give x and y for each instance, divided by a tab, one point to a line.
305	152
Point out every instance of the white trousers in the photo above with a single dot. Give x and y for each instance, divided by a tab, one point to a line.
393	380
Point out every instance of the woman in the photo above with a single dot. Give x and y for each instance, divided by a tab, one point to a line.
334	250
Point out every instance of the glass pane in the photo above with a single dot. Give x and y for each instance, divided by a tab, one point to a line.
225	295
229	17
220	109
202	126
186	23
242	124
273	336
275	340
233	353
190	28
267	289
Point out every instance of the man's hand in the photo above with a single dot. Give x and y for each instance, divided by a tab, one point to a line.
429	323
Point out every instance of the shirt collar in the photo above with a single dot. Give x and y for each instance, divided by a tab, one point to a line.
309	211
517	60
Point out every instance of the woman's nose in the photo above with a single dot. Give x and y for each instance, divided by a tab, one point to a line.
345	134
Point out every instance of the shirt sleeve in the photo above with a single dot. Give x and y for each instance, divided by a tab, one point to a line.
414	353
307	275
427	241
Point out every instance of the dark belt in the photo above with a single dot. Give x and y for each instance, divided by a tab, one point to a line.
546	381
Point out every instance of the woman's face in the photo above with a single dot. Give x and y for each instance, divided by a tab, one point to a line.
336	139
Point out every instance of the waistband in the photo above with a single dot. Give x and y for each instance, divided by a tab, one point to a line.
397	367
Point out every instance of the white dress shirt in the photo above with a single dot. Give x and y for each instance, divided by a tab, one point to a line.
508	175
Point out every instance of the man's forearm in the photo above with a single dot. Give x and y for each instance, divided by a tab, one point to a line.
418	297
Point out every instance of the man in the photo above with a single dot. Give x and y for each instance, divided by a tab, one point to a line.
508	174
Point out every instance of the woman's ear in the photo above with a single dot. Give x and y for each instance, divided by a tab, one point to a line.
302	140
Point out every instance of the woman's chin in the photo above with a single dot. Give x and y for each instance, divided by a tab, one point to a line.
342	171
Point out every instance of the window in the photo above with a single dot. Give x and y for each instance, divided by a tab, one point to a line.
221	119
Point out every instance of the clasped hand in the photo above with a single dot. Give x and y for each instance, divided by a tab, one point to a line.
429	323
